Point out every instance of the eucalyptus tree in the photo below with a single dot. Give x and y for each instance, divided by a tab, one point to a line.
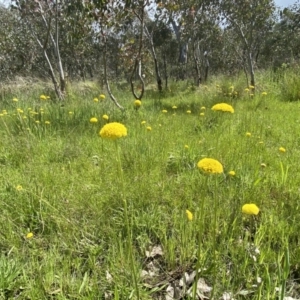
43	19
17	51
251	22
187	19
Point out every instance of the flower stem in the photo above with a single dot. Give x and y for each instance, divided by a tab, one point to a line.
128	229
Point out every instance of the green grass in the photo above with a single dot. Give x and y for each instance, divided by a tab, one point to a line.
72	196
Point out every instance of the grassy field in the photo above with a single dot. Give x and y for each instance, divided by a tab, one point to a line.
84	217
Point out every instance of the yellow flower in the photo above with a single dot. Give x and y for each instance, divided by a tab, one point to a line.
102	96
20	111
250	209
105	117
174	107
164	111
223	107
19	188
210	165
203	108
247	90
189	215
29	235
43	97
143	122
248	134
186	146
47	122
231	173
188	112
113	131
95	99
149	128
263	165
37	122
137	103
264	93
251	87
15	99
93	120
281	149
202	114
71	113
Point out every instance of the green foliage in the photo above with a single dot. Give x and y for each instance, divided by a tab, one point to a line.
289	84
96	212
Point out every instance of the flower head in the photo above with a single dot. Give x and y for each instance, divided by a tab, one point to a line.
137	103
174	107
47	122
247	90
188	112
19	188
93	120
264	93
149	128
113	131
143	122
105	117
102	96
95	99
189	215
203	108
223	107
251	87
231	173
164	111
250	209
15	100
248	134
202	114
210	165
29	235
43	97
281	149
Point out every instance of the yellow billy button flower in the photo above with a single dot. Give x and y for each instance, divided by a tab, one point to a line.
210	166
164	111
15	100
47	122
95	99
137	103
231	173
113	131
263	165
174	107
188	112
248	134
105	117
102	96
29	235
19	188
186	146
247	90
264	93
93	120
282	150
143	122
189	215
250	209
203	108
149	128
43	97
202	114
223	107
